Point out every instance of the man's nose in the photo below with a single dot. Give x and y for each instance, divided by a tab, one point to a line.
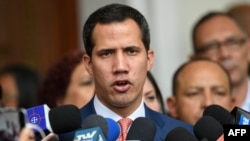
223	51
120	63
207	99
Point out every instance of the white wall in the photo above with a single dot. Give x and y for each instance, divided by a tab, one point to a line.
170	22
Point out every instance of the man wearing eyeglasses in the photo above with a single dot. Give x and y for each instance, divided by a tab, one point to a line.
217	36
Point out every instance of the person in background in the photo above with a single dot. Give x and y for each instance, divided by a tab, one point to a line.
196	85
152	94
218	36
240	12
118	55
19	85
67	82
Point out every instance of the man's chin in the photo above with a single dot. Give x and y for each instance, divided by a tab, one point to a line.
121	105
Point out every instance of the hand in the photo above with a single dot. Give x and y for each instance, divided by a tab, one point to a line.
51	137
27	134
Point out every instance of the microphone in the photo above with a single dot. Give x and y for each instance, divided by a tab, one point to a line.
94	128
142	129
58	120
180	134
237	116
220	114
208	128
241	116
113	130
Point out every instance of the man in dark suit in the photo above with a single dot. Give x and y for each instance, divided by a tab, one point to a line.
118	55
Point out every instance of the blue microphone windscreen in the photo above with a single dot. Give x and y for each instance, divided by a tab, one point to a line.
113	129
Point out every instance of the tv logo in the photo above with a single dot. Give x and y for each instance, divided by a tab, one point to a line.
236	132
92	134
243	120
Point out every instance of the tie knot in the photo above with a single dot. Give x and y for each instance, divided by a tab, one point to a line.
124	124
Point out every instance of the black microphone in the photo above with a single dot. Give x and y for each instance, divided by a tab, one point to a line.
142	129
113	130
65	118
220	114
180	134
208	128
237	116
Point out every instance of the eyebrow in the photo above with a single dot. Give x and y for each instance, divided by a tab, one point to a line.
218	86
123	48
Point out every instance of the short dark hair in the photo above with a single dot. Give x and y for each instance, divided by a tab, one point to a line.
179	70
207	17
114	13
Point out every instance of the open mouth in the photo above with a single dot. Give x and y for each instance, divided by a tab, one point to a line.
121	85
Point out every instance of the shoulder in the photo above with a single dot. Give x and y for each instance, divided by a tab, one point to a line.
165	123
88	109
165	120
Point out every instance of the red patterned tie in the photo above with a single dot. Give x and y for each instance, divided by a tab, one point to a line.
124	124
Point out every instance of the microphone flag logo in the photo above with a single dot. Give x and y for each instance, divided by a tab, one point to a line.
37	115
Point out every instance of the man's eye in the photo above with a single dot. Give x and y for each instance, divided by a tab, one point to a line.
132	52
105	54
192	94
211	46
233	42
220	93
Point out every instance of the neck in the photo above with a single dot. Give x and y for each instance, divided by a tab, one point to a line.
126	111
122	110
240	93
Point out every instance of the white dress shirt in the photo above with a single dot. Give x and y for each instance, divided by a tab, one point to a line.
246	103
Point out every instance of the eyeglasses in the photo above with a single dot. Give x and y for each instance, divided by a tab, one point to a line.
231	44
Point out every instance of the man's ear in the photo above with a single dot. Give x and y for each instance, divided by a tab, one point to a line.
171	105
232	103
192	57
150	59
87	63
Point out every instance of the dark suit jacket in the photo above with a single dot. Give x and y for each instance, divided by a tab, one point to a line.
163	122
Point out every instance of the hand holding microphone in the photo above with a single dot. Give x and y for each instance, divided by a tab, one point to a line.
58	120
26	134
